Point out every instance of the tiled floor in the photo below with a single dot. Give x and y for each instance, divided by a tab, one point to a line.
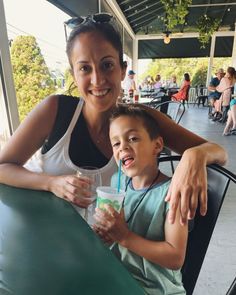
219	268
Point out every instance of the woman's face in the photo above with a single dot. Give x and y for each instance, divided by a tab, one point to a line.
97	70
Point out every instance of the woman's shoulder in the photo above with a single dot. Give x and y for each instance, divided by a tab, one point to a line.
62	103
64	107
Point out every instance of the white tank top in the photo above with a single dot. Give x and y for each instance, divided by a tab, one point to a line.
57	161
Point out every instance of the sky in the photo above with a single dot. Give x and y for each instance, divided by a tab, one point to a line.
42	20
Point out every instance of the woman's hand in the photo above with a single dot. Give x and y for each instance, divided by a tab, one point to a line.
188	186
73	188
111	225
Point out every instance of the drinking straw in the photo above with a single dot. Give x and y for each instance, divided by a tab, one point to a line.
119	174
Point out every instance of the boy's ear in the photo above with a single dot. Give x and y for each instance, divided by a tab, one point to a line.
159	144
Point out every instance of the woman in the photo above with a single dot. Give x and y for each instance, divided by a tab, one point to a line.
230	127
225	87
157	83
182	94
73	132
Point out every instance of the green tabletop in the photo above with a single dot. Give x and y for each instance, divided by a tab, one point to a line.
47	249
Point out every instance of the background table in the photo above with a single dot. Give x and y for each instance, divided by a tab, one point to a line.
48	249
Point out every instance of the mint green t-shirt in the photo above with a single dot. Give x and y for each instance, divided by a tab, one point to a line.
147	221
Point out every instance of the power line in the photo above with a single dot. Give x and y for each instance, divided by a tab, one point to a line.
42	40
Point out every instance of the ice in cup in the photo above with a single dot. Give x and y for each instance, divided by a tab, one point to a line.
107	195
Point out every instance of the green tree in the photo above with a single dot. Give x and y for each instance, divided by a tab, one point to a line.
196	67
31	75
71	88
199	77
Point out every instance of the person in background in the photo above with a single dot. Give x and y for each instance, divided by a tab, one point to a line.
182	94
214	94
230	128
151	248
73	132
157	83
129	82
225	88
172	86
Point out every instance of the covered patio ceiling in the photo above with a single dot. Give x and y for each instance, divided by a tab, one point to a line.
146	16
143	20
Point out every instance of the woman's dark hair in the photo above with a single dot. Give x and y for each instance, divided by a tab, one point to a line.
148	121
107	30
186	77
232	72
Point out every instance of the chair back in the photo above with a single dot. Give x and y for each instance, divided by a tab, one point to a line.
201	228
173	109
232	288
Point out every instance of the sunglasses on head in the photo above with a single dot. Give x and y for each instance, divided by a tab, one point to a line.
96	18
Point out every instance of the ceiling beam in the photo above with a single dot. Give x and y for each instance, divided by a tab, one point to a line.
145	9
135	6
145	22
144	15
119	14
184	35
212	4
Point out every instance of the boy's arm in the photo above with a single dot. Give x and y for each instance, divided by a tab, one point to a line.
169	253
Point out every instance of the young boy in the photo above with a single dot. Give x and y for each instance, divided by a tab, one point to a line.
151	248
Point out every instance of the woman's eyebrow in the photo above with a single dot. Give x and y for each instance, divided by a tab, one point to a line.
85	61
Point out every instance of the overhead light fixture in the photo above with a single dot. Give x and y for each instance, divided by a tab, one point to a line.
167	37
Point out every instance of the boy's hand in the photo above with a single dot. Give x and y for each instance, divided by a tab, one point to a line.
110	224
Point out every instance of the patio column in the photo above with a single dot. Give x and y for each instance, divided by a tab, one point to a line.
8	102
135	59
234	49
212	51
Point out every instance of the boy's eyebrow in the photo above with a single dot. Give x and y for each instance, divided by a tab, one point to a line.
127	131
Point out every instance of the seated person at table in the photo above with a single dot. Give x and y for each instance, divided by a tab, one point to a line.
182	94
151	248
172	87
214	94
230	128
157	83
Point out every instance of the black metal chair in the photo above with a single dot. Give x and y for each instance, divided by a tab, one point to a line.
232	288
174	110
218	179
201	96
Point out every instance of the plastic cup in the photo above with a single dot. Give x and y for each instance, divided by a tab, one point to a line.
107	195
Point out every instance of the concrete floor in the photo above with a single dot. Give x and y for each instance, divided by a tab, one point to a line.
219	268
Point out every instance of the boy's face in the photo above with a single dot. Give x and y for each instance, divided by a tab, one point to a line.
132	145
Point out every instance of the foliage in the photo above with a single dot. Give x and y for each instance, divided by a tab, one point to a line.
31	75
196	67
176	11
199	77
71	88
206	27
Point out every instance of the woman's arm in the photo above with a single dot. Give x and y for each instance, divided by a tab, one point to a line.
169	253
224	84
27	139
189	182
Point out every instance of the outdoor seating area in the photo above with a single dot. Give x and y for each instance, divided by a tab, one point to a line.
98	196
